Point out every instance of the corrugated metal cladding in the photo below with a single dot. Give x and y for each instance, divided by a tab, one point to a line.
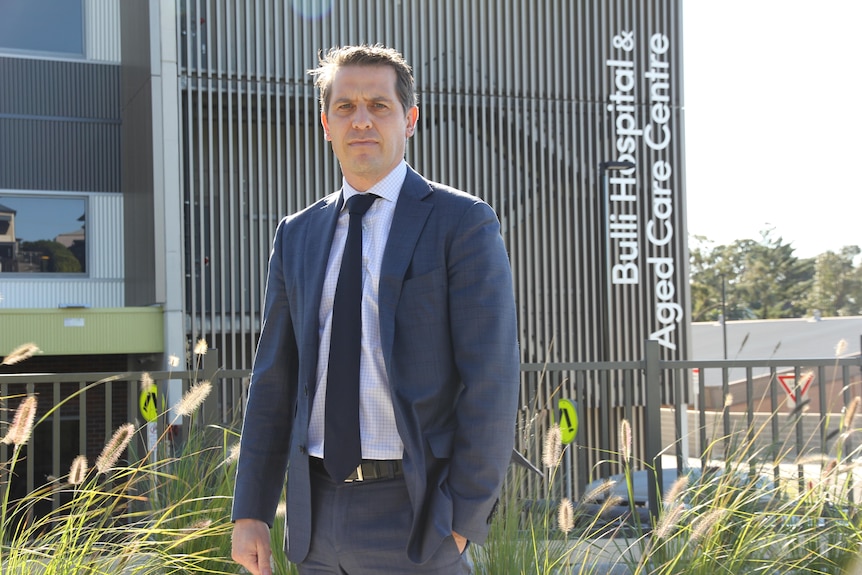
102	30
59	125
106	237
50	293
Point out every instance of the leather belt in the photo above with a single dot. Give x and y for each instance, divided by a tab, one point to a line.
368	470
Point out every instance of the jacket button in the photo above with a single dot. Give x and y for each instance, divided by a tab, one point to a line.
303	450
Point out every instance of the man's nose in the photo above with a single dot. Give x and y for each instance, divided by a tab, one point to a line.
361	118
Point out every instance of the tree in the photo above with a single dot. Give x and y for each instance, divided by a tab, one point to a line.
837	285
774	282
714	272
749	279
56	256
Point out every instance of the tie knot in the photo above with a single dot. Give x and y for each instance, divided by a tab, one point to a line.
360	203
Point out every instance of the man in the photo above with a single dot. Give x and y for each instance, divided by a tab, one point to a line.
439	369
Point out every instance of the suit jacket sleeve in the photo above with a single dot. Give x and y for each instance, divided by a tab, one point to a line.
272	395
483	323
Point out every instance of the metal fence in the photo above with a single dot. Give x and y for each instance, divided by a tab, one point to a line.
755	414
78	413
738	411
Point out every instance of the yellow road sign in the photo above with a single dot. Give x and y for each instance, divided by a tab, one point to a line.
568	421
149	403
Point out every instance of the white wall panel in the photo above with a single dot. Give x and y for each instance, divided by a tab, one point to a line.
102	30
106	236
52	293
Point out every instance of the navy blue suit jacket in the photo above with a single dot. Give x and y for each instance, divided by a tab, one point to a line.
449	341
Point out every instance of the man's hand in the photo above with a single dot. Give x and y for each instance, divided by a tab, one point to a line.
251	546
460	541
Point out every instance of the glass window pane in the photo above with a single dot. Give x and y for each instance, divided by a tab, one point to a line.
43	234
55	26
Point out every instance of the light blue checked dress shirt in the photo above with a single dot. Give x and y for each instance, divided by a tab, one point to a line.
380	439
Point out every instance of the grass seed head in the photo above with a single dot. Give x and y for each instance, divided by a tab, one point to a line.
78	471
596	492
566	515
193	398
115	447
676	490
201	347
233	454
840	348
625	440
553	450
22	425
146	381
20	353
704	523
668	521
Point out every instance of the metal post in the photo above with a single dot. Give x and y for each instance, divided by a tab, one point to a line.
210	408
653	425
724	313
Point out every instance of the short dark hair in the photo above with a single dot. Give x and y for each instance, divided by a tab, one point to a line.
365	55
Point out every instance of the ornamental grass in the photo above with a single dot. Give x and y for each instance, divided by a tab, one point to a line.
753	508
131	511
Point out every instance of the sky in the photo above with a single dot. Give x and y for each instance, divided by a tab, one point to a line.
38	219
773	121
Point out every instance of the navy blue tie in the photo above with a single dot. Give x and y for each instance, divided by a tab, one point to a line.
342	440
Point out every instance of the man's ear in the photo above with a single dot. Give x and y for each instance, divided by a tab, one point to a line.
325	123
412	118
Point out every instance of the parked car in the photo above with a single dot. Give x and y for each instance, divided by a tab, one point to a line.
699	482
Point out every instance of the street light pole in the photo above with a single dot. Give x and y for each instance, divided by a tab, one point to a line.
724	313
604	168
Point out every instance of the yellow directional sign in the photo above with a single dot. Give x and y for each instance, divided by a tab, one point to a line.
149	403
568	421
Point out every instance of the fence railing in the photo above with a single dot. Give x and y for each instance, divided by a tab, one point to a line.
78	412
728	403
716	409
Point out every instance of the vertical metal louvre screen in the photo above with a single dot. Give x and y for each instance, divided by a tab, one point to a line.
513	108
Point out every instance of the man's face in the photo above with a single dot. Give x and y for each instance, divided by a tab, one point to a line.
366	123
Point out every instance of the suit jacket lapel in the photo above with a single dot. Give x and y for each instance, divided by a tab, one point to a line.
411	213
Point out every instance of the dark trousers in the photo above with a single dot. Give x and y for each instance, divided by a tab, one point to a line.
361	529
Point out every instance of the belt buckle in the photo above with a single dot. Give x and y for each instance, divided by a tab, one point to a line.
356	475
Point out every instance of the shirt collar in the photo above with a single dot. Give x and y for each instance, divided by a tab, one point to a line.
388	188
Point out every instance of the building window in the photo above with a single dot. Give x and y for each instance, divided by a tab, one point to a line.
44	234
52	26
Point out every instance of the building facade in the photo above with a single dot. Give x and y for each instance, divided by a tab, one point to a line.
182	131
